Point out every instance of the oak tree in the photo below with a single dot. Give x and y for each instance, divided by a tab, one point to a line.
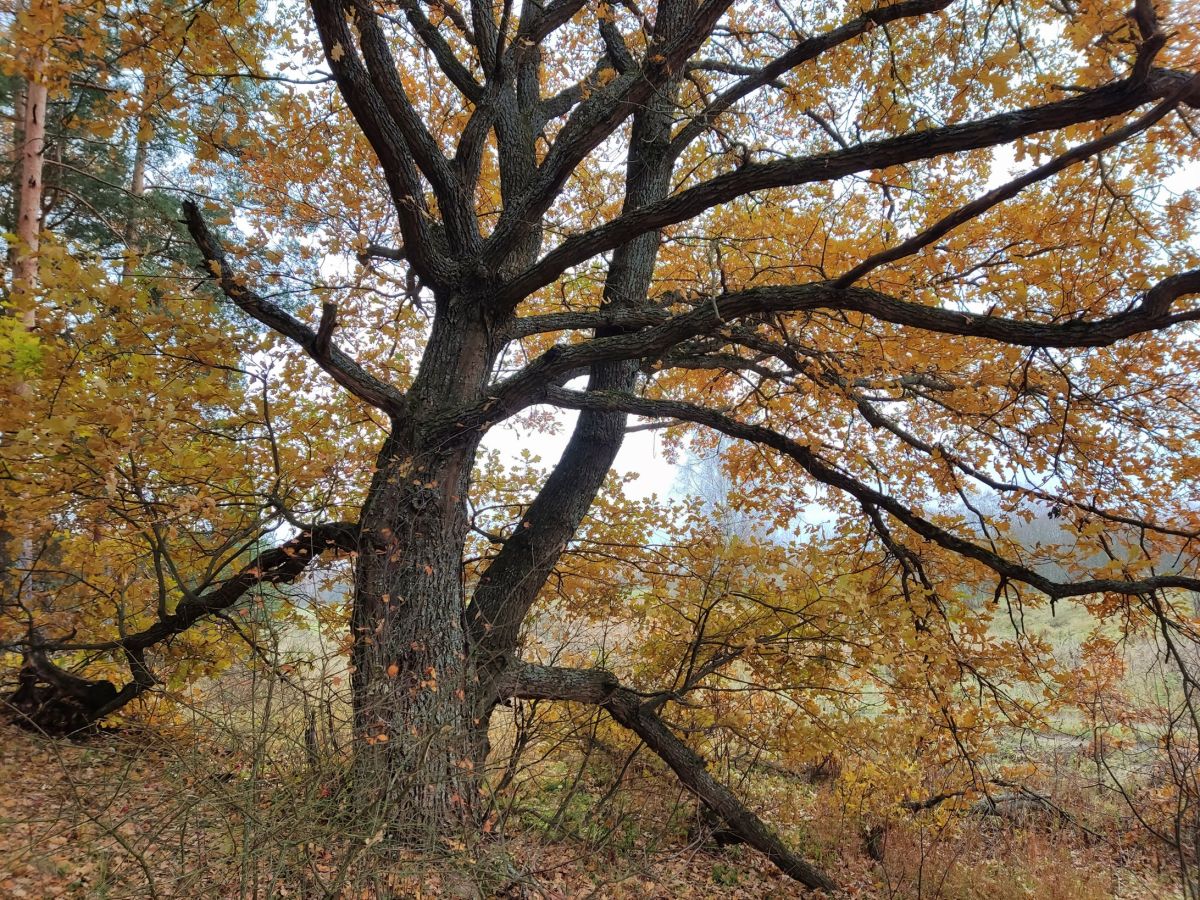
919	261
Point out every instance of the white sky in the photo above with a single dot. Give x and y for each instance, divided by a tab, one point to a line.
641	453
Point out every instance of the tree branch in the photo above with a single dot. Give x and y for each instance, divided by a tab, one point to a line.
832	477
552	17
93	700
527	681
805	51
278	565
1151	313
447	61
379	251
486	36
386	139
325	330
594	120
992	198
620	317
456	212
1099	103
510	584
381	66
343	368
513	580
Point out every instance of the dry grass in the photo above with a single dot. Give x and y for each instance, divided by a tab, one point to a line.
172	812
235	792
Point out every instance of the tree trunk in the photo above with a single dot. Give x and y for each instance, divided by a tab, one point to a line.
29	133
413	728
419	740
137	187
29	195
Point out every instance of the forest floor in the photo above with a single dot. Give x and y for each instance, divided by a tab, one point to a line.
145	813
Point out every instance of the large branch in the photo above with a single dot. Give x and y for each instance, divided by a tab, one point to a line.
386	139
343	368
511	583
459	75
278	565
581	320
1093	105
93	700
1152	312
995	197
453	202
508	107
487	36
527	681
825	473
545	21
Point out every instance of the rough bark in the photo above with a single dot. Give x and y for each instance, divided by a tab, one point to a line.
414	729
419	735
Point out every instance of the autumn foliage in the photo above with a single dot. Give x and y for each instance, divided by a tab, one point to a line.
913	285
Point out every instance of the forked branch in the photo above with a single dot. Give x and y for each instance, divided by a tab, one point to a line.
1152	312
995	197
1093	105
805	51
343	368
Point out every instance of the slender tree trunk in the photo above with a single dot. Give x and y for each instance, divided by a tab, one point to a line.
29	195
137	185
29	147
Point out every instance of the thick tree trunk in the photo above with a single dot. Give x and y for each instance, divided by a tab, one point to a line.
413	727
420	740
